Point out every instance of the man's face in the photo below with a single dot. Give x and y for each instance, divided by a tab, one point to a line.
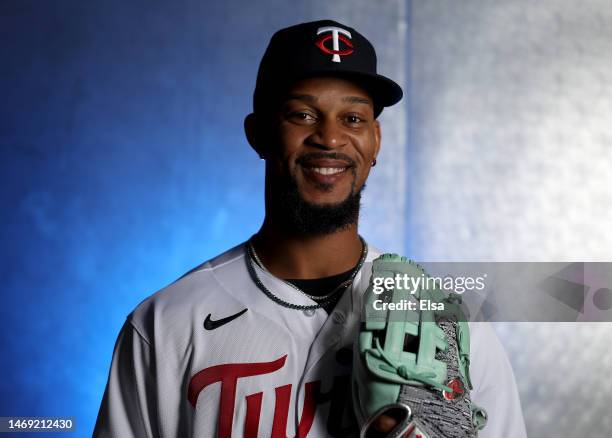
326	140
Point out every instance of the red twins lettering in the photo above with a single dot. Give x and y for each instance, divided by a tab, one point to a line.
228	375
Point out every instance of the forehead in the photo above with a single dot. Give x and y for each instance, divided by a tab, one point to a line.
328	88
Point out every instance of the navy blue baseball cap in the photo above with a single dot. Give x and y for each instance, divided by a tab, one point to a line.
321	48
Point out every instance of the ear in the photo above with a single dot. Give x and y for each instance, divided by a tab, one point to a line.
377	138
253	137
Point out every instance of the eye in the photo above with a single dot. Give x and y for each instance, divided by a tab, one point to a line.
353	119
302	117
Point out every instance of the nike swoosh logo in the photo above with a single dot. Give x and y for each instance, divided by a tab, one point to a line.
209	324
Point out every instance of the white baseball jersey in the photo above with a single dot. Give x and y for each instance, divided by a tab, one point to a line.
212	356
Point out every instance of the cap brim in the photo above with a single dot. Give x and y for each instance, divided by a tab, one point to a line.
383	90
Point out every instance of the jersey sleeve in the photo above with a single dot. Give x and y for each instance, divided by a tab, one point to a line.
494	385
128	406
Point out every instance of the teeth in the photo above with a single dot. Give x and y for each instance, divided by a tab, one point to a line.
328	170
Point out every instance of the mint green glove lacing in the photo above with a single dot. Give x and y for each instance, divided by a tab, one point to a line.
426	377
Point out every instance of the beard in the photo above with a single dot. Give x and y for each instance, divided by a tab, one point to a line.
299	216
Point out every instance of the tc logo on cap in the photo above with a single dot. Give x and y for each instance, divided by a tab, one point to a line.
337	34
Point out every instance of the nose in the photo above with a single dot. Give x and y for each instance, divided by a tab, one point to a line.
327	135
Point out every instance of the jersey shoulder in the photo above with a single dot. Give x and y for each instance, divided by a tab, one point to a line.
218	282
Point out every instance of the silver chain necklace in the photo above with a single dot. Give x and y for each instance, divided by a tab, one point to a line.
321	300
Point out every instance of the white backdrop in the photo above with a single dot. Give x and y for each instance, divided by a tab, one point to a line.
510	158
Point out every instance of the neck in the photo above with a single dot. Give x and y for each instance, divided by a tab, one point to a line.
293	256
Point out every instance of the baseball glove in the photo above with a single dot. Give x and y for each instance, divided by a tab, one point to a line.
413	358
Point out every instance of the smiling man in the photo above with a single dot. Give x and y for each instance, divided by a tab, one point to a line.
329	139
257	342
320	144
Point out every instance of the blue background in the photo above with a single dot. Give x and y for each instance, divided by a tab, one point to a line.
123	165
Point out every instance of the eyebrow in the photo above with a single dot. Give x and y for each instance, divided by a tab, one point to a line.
357	99
302	97
310	98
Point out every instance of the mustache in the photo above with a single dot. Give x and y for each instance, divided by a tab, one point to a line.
308	158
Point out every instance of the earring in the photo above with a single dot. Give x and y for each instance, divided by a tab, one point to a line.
374	162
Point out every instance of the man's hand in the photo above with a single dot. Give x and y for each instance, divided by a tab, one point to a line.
385	424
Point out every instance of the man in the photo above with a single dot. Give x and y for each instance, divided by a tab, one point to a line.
257	342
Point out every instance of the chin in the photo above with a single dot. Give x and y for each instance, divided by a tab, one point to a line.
325	194
326	199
